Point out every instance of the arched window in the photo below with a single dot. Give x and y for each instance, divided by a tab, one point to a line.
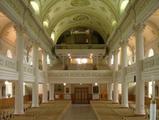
9	54
123	5
48	59
151	53
112	60
119	56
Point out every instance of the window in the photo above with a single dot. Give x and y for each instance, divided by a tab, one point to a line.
9	54
123	5
112	60
151	53
48	59
35	6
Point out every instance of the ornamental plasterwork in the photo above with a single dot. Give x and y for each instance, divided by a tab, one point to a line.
80	3
108	10
81	18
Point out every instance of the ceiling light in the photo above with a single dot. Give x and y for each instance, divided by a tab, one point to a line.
84	60
35	6
114	22
123	5
78	61
69	54
6	82
46	23
91	55
96	84
64	84
53	36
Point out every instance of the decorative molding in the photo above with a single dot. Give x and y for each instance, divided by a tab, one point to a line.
79	76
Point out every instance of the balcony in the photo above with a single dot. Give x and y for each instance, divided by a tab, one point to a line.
8	70
80	46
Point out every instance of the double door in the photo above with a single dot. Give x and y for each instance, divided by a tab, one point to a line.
81	96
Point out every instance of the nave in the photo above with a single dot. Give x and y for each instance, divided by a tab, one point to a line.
64	110
82	51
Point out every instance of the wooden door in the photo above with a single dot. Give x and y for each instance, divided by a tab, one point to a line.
81	96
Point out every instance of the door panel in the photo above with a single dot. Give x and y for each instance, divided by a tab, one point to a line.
81	96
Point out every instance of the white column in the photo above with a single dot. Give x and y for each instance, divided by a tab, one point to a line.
45	89
109	59
140	93
124	98
109	90
0	90
116	94
35	96
19	100
51	91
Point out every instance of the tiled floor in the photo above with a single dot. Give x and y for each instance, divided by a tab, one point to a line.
80	112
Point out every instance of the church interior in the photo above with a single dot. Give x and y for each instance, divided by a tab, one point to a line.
79	59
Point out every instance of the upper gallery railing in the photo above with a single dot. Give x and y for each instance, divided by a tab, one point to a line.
150	67
28	69
82	46
7	63
79	76
151	62
131	68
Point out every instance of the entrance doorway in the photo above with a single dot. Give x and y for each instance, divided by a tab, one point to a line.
81	96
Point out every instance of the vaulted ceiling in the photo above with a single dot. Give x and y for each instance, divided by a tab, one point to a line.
58	16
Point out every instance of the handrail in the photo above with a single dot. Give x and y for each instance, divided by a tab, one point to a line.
80	46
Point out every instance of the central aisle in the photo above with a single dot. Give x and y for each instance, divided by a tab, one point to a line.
80	112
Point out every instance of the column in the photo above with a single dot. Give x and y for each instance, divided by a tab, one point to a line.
45	89
109	90
124	98
19	100
51	91
0	90
116	94
109	59
140	93
35	96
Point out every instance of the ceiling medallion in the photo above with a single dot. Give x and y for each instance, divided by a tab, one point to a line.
80	2
80	18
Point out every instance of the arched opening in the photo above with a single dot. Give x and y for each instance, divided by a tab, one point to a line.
9	54
151	52
112	59
48	59
80	35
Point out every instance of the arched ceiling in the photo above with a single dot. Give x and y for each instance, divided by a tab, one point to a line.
7	31
60	15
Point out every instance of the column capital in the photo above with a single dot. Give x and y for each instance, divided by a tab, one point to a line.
123	43
116	51
35	43
139	27
18	28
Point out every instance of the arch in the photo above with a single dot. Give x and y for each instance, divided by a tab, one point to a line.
112	60
76	27
48	59
150	52
9	53
102	33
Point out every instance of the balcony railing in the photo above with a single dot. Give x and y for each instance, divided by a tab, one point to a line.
80	46
8	63
151	62
131	68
